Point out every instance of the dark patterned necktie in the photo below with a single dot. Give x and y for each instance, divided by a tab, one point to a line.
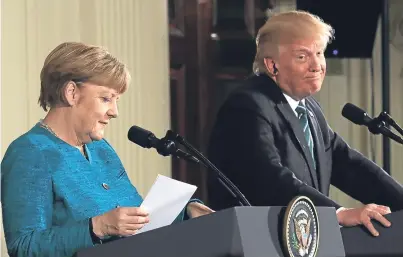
303	120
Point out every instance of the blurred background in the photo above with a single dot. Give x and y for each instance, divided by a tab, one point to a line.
185	56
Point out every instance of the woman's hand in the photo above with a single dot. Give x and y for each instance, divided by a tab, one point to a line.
122	221
195	209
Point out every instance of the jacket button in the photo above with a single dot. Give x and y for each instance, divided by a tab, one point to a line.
105	186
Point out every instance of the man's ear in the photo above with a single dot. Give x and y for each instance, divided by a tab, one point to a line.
71	93
270	66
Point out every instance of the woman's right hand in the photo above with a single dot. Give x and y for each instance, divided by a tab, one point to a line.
122	221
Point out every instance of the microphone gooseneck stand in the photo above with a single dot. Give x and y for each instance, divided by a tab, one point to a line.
381	123
235	192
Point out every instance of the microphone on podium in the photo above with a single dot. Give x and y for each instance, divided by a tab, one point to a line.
376	125
167	146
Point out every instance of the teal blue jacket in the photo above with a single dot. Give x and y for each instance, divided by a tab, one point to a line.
49	191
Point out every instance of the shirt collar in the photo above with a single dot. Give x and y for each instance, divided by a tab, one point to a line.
292	102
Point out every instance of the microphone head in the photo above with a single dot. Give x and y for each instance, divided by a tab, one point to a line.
141	137
355	114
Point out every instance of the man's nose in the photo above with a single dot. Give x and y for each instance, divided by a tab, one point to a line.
315	65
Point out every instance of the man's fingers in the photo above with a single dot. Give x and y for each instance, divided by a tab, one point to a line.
383	209
377	216
370	227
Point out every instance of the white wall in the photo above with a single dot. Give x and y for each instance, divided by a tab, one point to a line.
135	31
354	85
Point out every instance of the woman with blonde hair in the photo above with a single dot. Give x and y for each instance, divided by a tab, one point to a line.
63	187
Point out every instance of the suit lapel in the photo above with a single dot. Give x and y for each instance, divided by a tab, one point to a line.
289	116
319	147
269	87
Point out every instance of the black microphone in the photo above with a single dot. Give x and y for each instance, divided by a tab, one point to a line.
375	126
165	147
355	114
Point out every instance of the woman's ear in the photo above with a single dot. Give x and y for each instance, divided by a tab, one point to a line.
71	93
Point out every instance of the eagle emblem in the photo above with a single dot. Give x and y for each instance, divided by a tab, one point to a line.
301	228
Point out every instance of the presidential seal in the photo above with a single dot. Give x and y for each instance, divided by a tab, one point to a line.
301	228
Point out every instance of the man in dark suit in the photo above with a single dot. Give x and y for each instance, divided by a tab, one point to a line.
272	140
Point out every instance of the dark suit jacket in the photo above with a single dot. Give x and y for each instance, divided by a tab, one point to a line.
258	143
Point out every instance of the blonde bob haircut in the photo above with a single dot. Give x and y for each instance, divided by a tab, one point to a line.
286	27
79	63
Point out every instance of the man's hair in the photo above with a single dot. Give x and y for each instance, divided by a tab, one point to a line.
79	62
286	27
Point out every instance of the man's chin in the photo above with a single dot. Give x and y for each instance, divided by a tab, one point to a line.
315	88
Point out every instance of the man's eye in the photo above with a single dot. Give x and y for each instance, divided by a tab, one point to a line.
106	99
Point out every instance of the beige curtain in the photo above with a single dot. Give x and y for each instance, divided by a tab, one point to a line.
135	31
349	80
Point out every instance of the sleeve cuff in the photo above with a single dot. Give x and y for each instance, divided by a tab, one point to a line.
185	213
95	239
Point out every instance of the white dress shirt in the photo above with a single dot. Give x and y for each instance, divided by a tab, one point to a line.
293	103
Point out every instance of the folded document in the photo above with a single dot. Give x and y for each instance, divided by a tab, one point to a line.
165	200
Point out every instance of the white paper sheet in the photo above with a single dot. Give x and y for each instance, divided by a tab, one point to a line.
165	200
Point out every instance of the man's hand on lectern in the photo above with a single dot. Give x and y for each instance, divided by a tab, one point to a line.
356	216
